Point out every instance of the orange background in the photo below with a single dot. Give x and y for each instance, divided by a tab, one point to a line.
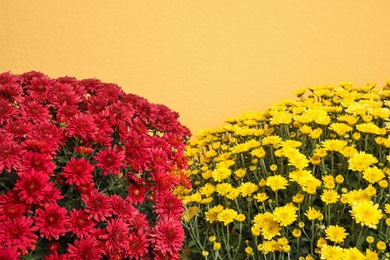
207	60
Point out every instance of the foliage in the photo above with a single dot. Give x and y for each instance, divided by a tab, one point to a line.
87	171
305	179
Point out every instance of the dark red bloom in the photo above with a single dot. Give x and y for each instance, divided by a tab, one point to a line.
137	244
35	112
110	160
167	236
56	256
7	111
81	125
85	249
52	221
37	162
19	128
9	253
98	206
9	87
168	204
10	153
137	193
18	233
66	112
117	233
122	208
79	223
78	171
32	187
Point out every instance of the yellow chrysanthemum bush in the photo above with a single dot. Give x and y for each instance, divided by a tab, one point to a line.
305	179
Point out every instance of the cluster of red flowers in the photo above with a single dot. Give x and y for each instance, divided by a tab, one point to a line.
87	171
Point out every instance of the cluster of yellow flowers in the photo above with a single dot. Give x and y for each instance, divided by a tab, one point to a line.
305	179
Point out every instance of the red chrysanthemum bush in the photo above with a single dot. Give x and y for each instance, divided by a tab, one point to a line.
87	171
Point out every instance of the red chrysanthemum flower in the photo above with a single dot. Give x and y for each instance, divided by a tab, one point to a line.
83	249
9	87
79	223
9	253
32	187
97	205
37	162
66	112
12	211
139	221
10	153
97	103
122	208
11	207
50	132
35	112
164	181
19	128
53	194
56	256
137	193
62	92
18	233
168	204
7	111
81	125
110	160
136	245
117	233
78	171
167	236
52	221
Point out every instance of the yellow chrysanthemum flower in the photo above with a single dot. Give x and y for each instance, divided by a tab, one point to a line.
361	161
373	174
336	233
261	197
313	214
212	214
247	188
207	190
221	173
353	253
334	145
369	128
223	188
366	213
340	128
330	196
331	252
277	182
285	215
227	216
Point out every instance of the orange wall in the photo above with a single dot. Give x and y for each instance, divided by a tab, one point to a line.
208	60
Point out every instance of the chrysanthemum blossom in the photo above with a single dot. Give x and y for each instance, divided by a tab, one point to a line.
110	160
366	213
79	223
336	233
18	233
78	171
168	204
52	221
85	249
116	235
32	187
98	206
167	236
